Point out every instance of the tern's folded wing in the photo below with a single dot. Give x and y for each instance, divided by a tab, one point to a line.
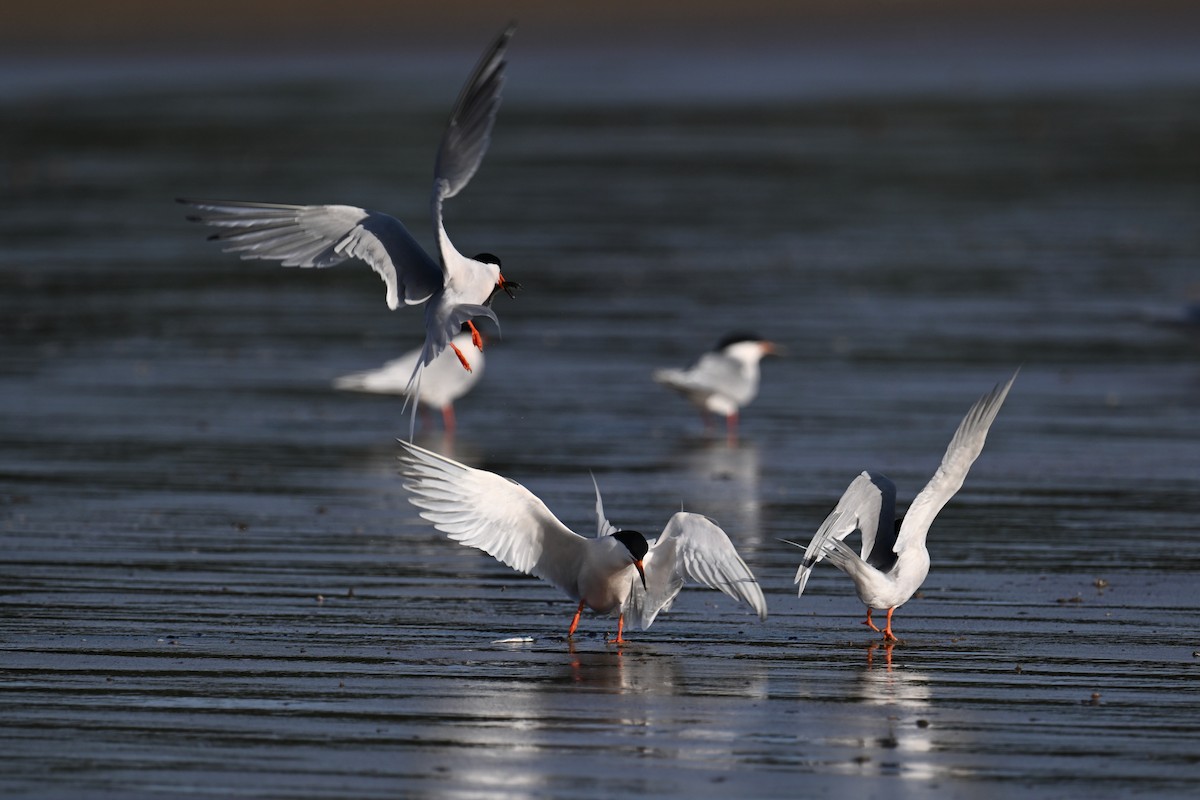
714	373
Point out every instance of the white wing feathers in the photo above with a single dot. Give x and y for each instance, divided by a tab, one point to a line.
692	548
603	526
322	236
858	509
498	516
964	448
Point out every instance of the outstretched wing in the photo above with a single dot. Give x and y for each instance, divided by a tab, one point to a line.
494	514
964	448
868	501
322	236
469	129
692	548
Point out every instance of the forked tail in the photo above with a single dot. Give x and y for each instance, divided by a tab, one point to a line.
411	390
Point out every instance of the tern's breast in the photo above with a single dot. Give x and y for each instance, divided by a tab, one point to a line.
607	575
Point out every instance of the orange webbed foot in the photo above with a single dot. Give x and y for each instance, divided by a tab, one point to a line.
888	636
476	339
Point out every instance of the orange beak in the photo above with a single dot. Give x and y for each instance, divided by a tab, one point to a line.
772	349
642	572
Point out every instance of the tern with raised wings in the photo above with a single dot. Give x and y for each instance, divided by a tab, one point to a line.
893	560
617	571
456	289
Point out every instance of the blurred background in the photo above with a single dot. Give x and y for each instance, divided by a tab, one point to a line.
210	572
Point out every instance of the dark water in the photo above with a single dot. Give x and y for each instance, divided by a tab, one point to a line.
211	582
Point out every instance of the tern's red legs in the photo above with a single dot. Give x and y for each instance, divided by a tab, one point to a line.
888	636
476	340
461	358
620	625
620	629
575	622
870	624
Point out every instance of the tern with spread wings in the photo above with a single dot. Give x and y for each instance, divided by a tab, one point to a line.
456	289
893	561
617	571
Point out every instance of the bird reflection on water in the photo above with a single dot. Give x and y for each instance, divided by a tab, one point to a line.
726	475
613	669
907	696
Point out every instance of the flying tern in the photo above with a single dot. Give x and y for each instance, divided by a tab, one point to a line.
442	382
894	561
617	570
455	289
724	379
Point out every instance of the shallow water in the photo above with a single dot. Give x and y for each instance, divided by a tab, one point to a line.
212	582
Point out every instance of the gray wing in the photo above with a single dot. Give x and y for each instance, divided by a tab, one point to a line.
494	514
964	448
469	129
713	373
322	236
692	548
868	505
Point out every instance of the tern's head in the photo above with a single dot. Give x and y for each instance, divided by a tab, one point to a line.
747	347
502	285
637	546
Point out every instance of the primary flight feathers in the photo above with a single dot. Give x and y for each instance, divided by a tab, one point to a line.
483	510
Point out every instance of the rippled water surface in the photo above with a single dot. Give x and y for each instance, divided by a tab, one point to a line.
212	584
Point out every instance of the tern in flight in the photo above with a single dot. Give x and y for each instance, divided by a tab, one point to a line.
893	562
724	379
618	570
455	289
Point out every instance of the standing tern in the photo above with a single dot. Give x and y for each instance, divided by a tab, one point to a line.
454	293
724	379
894	561
442	382
618	570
